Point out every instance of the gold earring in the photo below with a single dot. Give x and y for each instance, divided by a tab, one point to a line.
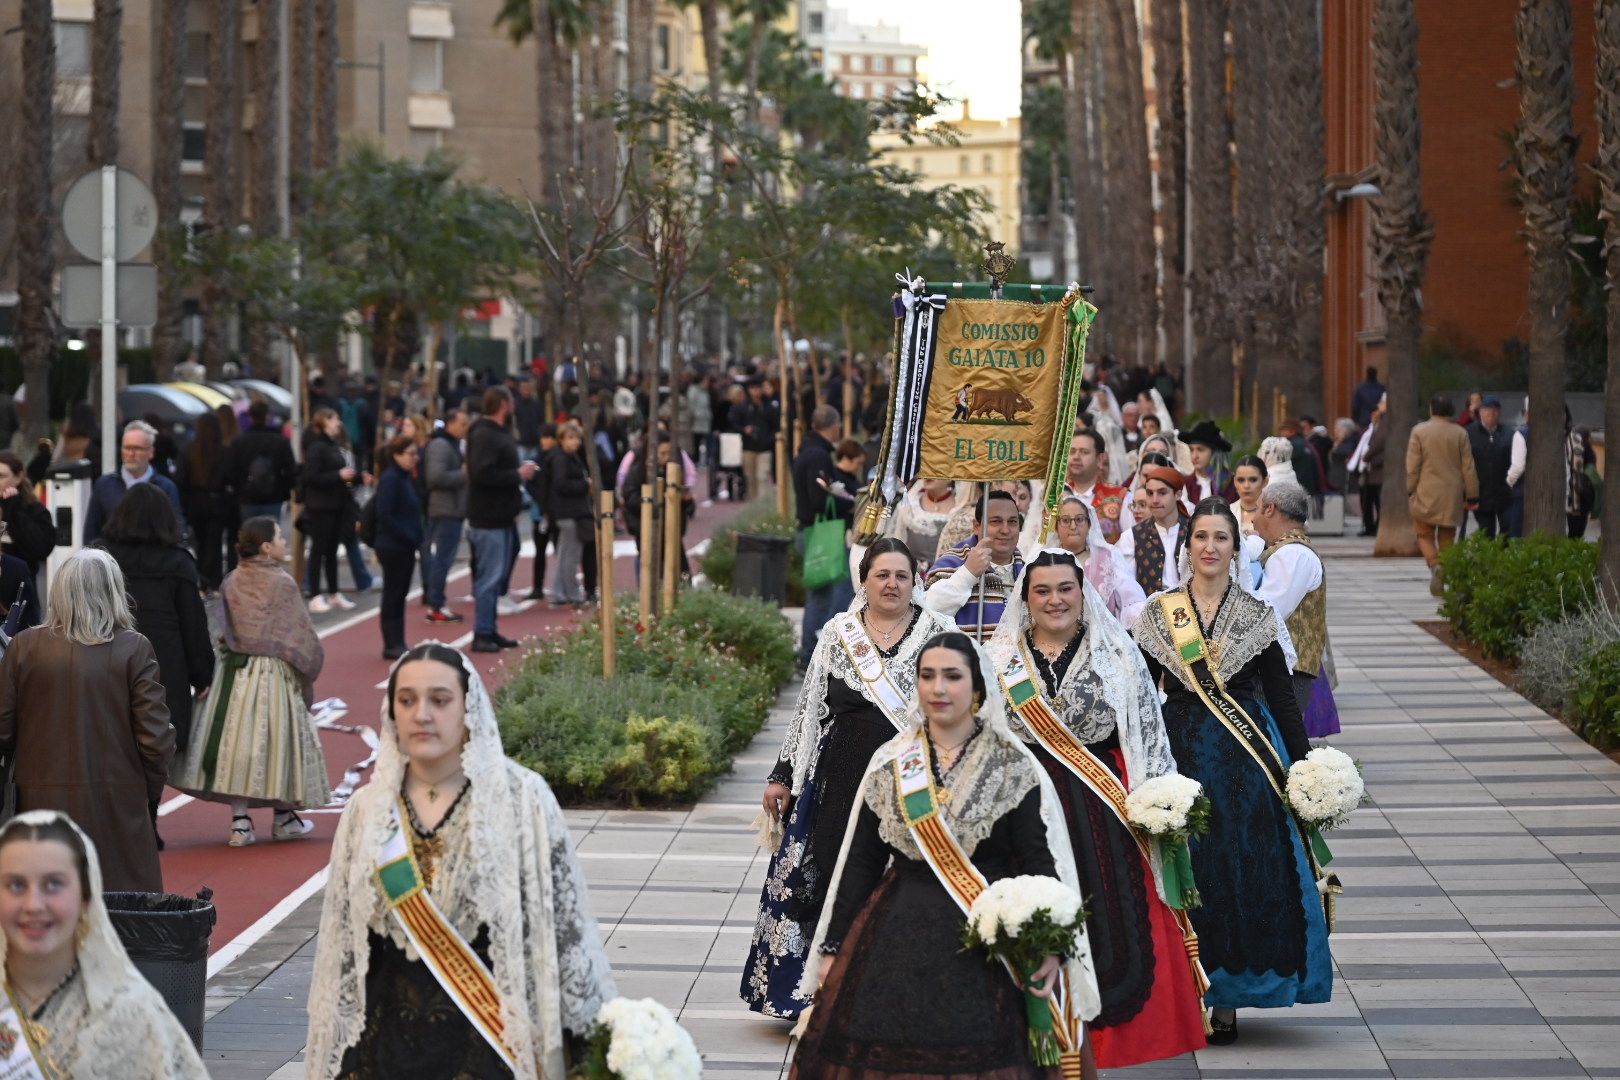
82	932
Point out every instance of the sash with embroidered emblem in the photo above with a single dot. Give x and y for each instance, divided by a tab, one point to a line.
1028	702
868	663
919	806
445	952
1187	639
21	1056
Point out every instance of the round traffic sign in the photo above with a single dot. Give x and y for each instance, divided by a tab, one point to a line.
137	215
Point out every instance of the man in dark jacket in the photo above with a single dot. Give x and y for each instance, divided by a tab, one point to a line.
136	449
446	476
1492	447
757	420
1366	398
494	475
260	466
814	473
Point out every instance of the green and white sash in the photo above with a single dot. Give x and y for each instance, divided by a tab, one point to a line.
20	1056
880	687
445	952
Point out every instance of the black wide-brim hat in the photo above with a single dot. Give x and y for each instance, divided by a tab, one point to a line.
1206	433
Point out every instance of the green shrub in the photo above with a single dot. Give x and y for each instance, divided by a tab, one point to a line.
1554	656
753	629
1594	702
1497	591
720	559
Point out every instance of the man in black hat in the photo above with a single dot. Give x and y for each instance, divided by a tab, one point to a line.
1208	449
1492	447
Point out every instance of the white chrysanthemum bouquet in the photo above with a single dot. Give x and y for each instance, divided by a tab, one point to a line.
1021	921
638	1040
1172	809
1324	786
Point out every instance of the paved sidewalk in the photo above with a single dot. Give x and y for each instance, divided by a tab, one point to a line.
1479	934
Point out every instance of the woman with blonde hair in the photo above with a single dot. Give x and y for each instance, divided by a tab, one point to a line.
83	716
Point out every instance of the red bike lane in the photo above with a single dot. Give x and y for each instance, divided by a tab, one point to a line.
254	887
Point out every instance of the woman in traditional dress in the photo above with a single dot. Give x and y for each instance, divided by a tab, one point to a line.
452	868
1077	535
923	512
1235	727
1085	670
1249	478
74	1006
855	696
255	743
898	995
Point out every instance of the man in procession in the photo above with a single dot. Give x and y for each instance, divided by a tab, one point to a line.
1088	465
1150	549
1294	583
990	558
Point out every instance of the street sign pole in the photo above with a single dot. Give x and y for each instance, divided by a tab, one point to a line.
109	316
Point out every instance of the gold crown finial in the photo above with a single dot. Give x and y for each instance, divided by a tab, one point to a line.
997	264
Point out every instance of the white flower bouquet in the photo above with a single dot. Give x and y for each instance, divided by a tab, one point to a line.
638	1040
1021	921
1172	809
1324	786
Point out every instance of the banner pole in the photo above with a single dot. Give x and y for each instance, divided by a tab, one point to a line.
984	516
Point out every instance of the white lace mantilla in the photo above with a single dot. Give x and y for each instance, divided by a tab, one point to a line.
1243	629
831	660
509	867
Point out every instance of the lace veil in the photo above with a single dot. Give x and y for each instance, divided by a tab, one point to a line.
544	945
995	773
128	1031
1107	688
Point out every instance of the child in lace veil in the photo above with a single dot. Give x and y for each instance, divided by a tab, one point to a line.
498	865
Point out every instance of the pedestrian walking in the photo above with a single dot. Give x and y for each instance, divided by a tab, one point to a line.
758	420
83	716
895	918
328	507
1367	464
494	473
1262	925
398	514
30	531
446	474
568	506
841	719
75	1006
1491	445
1440	481
262	468
477	862
203	478
1581	482
136	451
1365	401
164	585
814	474
1097	733
255	742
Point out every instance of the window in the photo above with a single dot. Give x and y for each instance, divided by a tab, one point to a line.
857	63
427	65
193	146
72	50
425	141
902	65
989	163
813	22
880	64
917	165
857	90
196	65
963	166
661	47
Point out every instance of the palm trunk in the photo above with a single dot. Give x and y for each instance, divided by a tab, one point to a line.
266	129
325	151
224	121
1170	88
301	106
1608	171
167	106
1545	155
35	261
1401	234
1057	236
1255	284
1210	216
106	60
1129	184
1302	126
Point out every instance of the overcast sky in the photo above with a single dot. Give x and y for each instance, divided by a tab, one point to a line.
973	46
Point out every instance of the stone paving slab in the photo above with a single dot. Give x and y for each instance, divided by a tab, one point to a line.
1479	932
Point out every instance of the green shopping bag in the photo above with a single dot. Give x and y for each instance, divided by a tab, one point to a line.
825	557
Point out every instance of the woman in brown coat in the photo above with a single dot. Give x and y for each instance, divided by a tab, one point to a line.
82	712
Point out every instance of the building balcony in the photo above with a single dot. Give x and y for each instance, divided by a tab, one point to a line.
432	21
431	110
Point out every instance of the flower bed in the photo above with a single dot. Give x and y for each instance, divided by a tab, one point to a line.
684	699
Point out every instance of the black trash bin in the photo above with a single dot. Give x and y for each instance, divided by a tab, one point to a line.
167	939
762	567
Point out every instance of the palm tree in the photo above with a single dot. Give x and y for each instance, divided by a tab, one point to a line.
1608	171
1255	286
1544	156
266	115
224	121
1082	90
301	106
1170	88
1129	184
1401	235
1209	167
325	152
167	106
1303	170
35	263
106	58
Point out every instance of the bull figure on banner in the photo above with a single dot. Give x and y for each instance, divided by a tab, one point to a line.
1009	403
